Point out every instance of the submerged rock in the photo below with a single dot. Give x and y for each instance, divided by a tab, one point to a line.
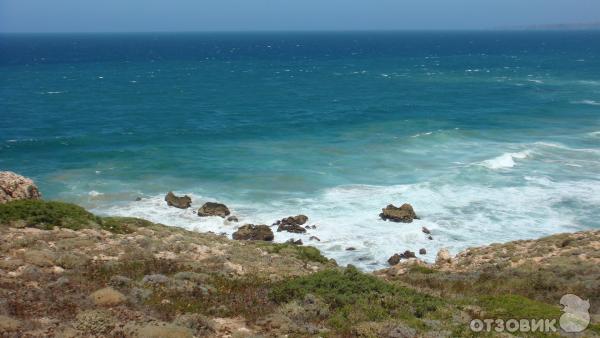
254	233
404	214
213	209
17	187
292	224
178	202
422	251
426	231
232	219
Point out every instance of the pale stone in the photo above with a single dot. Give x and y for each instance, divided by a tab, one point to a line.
107	297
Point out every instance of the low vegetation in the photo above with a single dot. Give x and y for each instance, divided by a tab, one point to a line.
153	276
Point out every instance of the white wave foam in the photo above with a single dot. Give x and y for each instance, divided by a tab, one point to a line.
94	193
422	134
588	102
506	160
458	215
590	82
564	147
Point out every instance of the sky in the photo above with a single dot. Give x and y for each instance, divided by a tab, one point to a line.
283	15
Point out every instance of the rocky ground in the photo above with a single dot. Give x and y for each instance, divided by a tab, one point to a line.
65	272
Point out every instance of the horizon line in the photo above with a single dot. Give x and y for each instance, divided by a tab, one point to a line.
500	29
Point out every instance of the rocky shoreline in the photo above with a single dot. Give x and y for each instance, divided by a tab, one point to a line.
65	272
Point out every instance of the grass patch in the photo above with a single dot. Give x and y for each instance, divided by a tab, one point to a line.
515	306
421	269
47	215
134	269
229	297
305	253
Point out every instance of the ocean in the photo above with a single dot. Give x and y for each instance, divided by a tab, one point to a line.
491	136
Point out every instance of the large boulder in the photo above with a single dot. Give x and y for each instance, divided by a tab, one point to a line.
404	214
292	224
16	187
443	257
213	209
254	233
178	202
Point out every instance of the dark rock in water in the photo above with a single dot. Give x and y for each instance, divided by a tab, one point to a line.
232	219
137	199
314	238
292	224
351	248
430	238
395	259
313	226
213	209
404	214
422	251
294	242
291	228
178	202
426	231
407	254
251	232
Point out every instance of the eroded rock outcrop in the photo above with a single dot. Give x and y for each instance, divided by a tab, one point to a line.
17	187
183	202
404	214
253	232
213	209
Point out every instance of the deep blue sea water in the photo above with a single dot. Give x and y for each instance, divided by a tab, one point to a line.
491	136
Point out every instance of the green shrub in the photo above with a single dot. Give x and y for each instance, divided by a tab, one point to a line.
47	214
356	297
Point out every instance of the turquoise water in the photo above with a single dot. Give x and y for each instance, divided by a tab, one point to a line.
491	136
